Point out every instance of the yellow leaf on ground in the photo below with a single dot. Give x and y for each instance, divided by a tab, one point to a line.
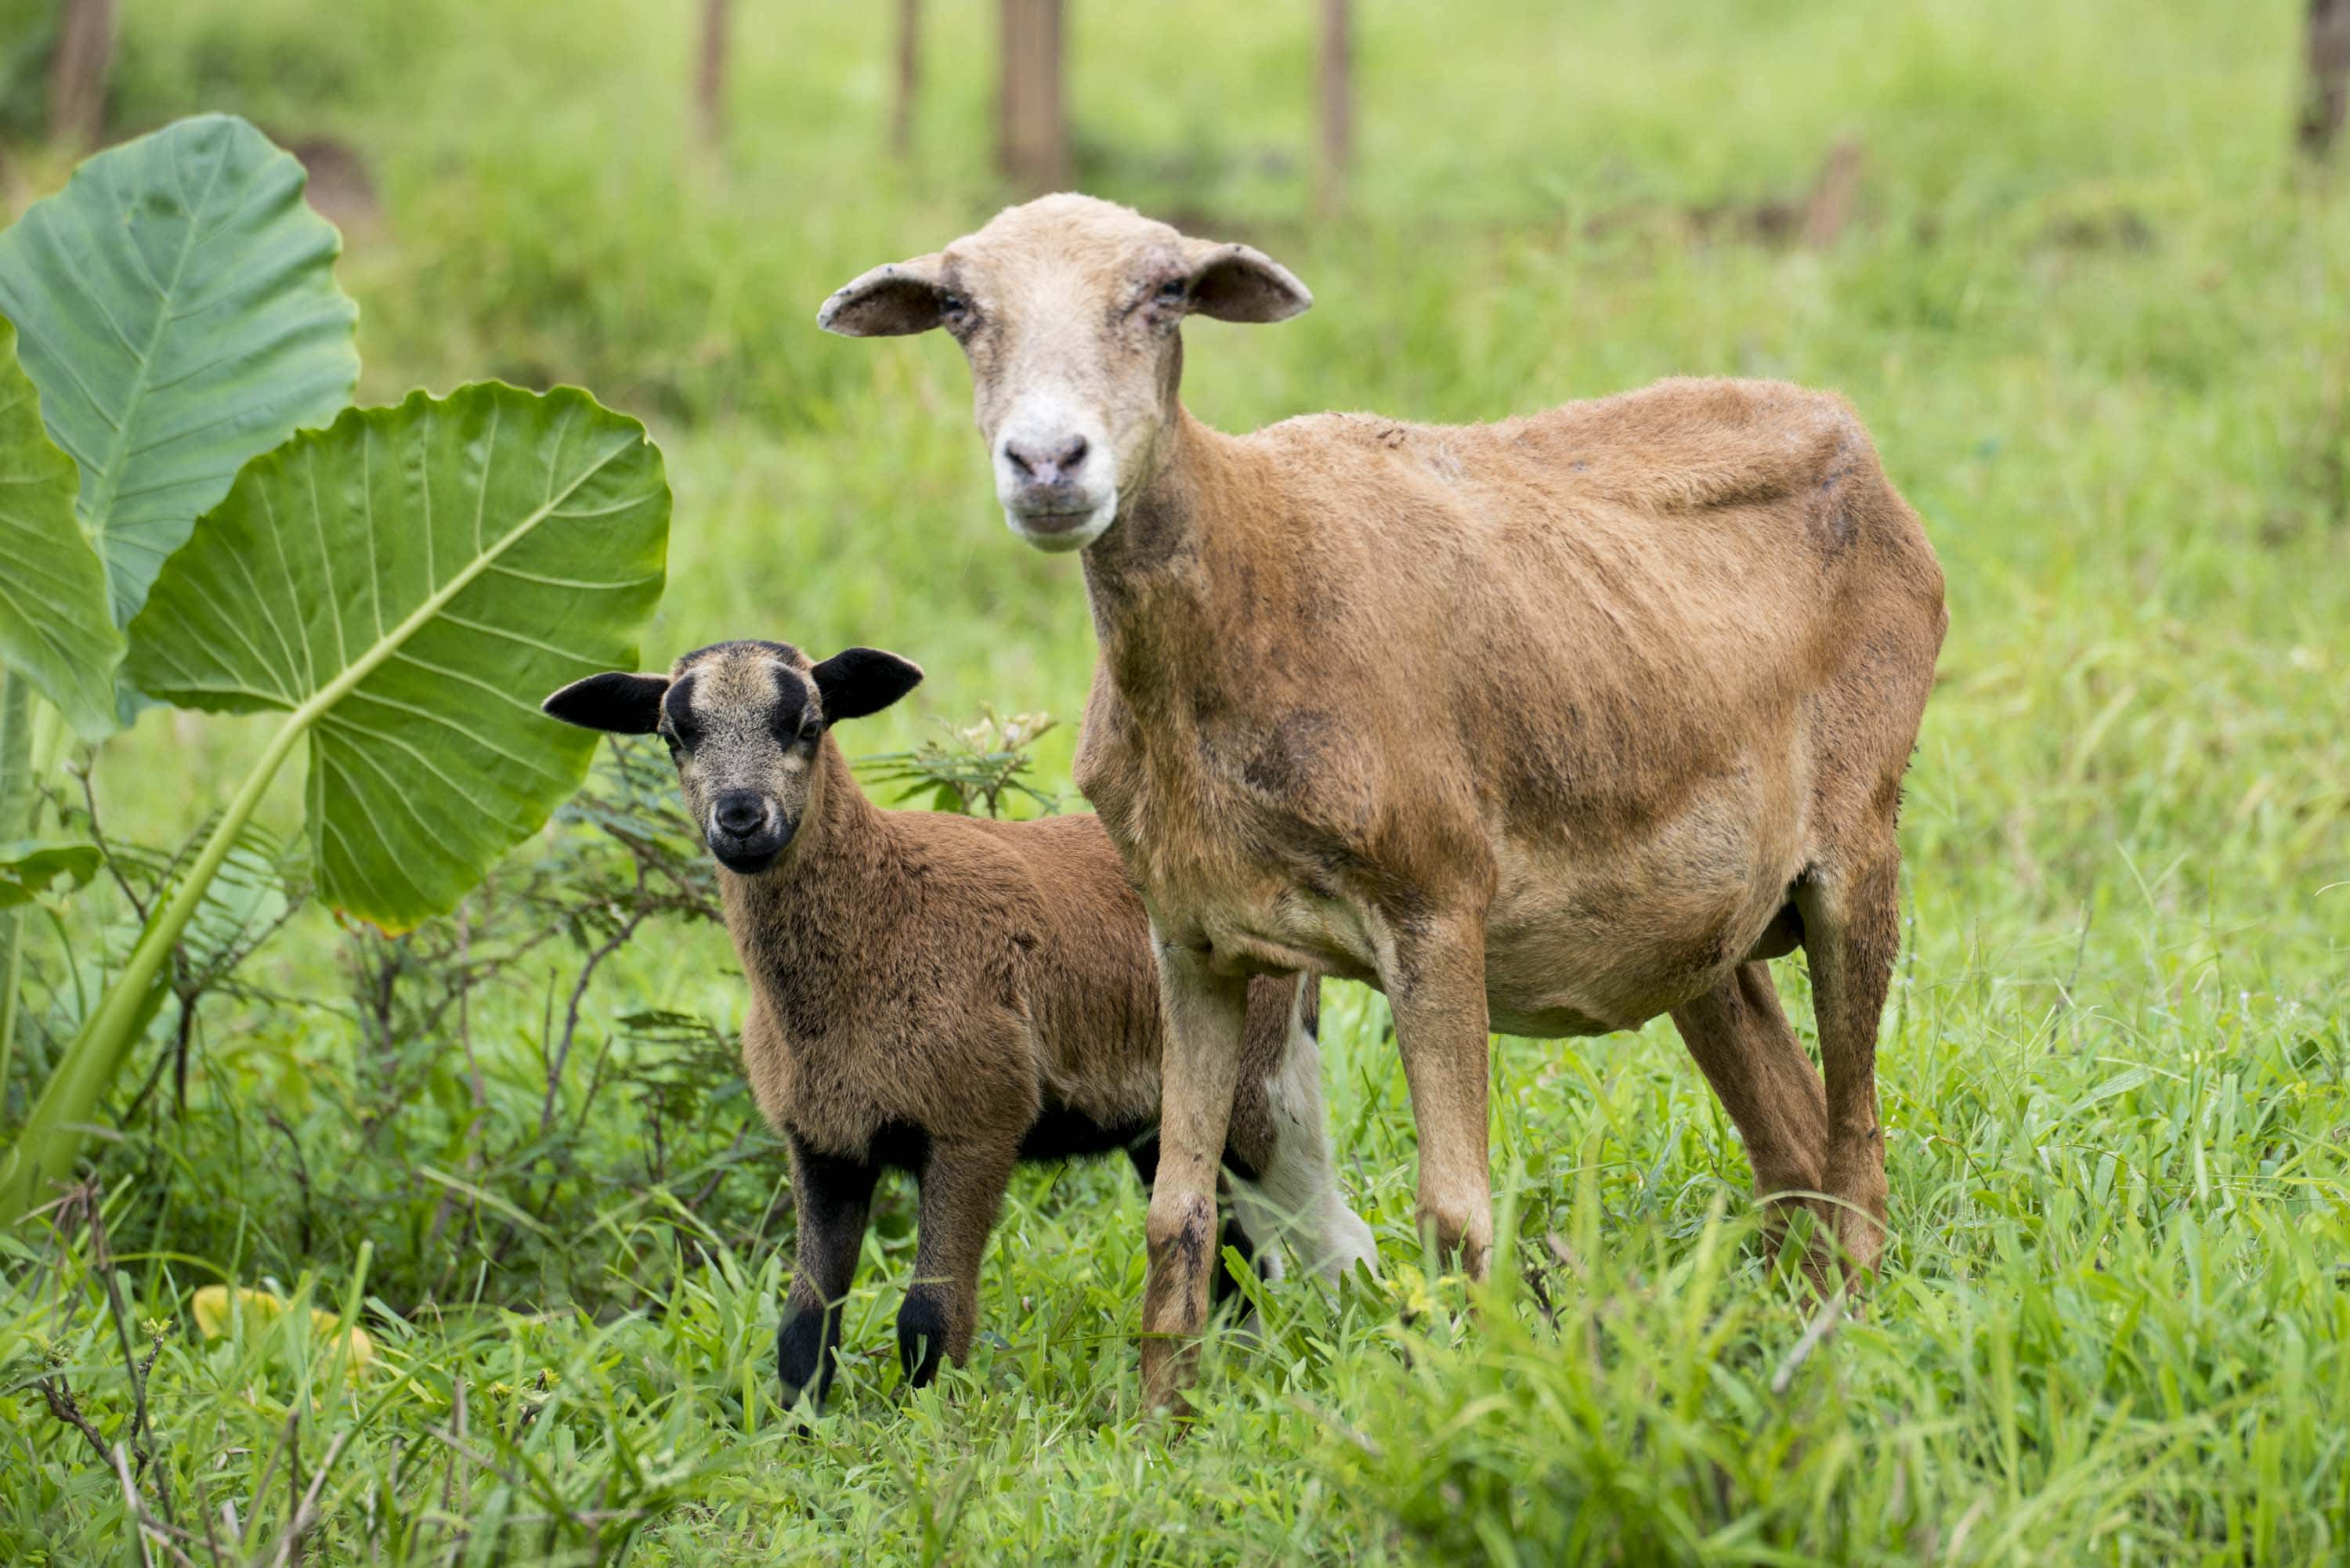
216	1306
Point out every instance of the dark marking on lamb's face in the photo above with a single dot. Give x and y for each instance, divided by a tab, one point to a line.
743	723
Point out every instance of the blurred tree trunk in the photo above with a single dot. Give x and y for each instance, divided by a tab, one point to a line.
77	71
1337	98
909	76
2327	94
710	71
1034	146
1833	196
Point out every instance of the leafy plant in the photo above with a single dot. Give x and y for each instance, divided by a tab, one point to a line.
362	580
169	315
973	769
176	306
53	635
54	626
177	318
27	869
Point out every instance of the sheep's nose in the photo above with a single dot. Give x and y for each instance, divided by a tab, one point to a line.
741	813
1047	462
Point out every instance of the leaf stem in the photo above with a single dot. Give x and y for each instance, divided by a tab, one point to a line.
44	1150
15	815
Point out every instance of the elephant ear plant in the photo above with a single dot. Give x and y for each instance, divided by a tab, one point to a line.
395	585
176	305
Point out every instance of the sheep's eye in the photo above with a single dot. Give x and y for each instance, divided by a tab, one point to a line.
811	728
953	308
679	738
1174	291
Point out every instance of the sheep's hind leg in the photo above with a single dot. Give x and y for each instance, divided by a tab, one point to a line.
1739	1038
1287	1186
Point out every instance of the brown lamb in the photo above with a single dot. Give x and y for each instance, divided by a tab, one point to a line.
944	995
1548	726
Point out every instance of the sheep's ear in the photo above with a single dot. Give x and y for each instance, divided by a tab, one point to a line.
1240	283
861	680
887	302
615	702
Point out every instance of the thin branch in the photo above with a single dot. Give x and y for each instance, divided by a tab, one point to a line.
301	1174
612	944
81	772
724	1163
288	1549
59	1397
102	1260
290	1544
121	1468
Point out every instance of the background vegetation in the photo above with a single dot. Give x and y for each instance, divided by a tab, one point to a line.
2100	325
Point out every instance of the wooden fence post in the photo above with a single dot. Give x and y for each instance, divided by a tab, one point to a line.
1034	146
1338	100
710	71
2326	94
909	77
77	71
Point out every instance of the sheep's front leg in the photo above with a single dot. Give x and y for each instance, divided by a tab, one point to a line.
1200	1067
1434	976
963	1188
831	1198
1851	931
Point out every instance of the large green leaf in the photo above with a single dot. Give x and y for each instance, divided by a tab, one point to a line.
53	627
177	307
407	584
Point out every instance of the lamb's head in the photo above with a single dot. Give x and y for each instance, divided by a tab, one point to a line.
743	722
1069	310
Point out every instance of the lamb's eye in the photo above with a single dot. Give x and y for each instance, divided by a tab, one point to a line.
1174	291
811	728
954	308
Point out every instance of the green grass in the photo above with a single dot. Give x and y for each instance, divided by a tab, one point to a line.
2101	329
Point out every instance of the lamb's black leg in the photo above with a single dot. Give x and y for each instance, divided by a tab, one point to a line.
832	1199
963	1188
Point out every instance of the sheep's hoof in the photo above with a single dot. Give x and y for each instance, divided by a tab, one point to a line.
799	1358
921	1339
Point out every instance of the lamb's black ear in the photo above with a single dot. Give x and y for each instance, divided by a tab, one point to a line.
616	702
861	680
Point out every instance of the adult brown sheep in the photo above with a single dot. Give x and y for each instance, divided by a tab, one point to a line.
1548	726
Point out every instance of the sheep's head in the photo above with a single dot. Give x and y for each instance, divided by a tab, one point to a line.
1069	310
742	721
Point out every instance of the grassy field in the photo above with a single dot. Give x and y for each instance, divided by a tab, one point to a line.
2101	328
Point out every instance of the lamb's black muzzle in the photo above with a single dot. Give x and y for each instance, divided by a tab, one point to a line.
747	831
